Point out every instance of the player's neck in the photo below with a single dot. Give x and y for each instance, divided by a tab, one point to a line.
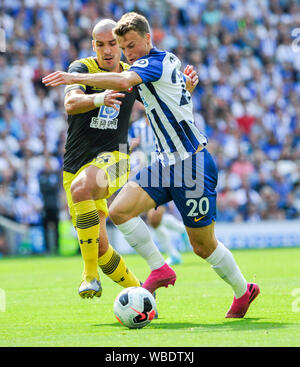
149	48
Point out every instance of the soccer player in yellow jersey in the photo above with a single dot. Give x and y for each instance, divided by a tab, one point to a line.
94	166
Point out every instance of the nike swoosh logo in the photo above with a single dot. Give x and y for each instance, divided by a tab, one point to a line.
143	316
197	219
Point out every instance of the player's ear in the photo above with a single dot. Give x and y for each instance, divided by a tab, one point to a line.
148	39
94	45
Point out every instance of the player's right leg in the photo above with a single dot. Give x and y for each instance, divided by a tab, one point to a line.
124	211
87	185
110	261
83	191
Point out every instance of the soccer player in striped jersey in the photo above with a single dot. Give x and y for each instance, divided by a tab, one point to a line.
184	172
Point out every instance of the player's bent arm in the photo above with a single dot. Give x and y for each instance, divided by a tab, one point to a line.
76	101
115	81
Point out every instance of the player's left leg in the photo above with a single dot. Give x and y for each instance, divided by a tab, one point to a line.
206	246
199	214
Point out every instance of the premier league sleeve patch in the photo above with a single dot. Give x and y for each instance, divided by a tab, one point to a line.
149	69
143	63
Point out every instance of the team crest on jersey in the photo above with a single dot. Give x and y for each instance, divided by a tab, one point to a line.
141	63
103	158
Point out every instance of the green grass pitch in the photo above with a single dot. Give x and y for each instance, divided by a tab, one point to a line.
42	307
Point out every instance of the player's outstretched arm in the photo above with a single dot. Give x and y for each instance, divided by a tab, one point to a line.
114	81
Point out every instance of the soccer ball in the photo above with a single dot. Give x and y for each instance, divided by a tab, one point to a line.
135	307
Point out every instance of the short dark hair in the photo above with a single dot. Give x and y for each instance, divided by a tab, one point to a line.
132	22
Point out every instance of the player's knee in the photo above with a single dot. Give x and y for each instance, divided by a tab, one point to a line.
201	251
118	216
80	191
198	251
203	248
115	214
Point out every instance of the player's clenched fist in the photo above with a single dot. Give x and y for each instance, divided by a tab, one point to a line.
58	78
192	79
189	71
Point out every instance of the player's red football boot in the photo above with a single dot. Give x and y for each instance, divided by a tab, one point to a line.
160	277
240	305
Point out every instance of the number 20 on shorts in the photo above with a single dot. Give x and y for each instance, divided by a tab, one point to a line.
200	207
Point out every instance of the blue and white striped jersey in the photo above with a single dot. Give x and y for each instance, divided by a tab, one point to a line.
142	130
145	153
168	105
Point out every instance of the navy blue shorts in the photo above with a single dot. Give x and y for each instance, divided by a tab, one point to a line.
190	183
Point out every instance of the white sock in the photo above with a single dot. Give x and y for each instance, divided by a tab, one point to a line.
138	236
225	266
163	236
172	223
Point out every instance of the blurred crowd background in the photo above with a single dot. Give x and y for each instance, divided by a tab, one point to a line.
247	101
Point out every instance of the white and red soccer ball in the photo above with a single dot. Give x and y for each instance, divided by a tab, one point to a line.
135	307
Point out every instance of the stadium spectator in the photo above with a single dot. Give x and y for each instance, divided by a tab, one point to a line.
50	184
247	99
